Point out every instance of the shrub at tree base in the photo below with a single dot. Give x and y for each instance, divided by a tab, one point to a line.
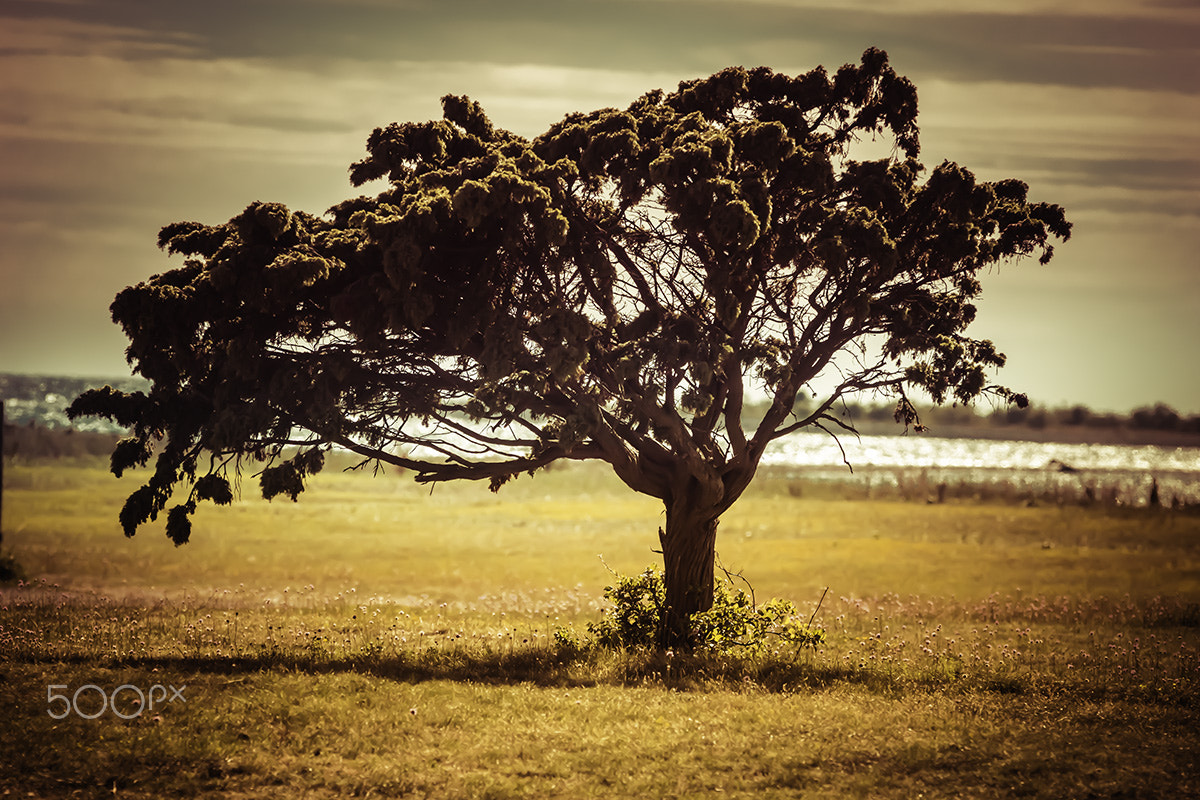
734	625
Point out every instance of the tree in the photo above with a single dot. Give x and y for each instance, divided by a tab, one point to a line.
611	290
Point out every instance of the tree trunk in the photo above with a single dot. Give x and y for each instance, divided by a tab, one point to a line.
689	550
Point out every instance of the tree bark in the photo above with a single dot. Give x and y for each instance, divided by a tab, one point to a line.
689	550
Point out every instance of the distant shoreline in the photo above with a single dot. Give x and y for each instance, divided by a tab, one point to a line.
42	399
1061	434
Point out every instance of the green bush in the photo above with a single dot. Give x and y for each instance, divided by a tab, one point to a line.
734	624
637	611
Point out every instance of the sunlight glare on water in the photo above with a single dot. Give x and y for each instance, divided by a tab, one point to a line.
1127	474
916	451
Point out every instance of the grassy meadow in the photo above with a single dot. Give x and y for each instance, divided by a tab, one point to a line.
379	639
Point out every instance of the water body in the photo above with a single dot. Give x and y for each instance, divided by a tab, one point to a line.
915	450
1106	473
1128	471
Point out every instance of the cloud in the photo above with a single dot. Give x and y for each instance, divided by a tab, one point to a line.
1142	46
302	82
62	35
119	116
1088	149
1092	8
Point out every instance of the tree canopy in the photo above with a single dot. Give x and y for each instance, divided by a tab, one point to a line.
613	289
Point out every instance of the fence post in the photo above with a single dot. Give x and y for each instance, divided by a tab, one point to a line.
1	471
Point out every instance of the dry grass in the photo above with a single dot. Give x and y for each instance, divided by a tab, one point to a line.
375	641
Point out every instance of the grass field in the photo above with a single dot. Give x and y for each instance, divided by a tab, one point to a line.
378	640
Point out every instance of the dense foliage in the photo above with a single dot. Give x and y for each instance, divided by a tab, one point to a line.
611	289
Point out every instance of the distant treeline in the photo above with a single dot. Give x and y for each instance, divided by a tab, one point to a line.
1151	424
1150	418
1155	418
36	425
32	441
35	419
43	400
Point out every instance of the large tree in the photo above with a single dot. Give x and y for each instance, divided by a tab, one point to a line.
614	289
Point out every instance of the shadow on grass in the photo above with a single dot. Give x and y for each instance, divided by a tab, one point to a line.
571	666
547	668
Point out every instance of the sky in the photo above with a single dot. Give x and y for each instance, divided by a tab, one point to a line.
120	116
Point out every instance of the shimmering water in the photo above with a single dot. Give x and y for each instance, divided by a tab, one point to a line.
915	450
1115	473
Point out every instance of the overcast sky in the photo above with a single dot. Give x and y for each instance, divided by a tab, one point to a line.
120	116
